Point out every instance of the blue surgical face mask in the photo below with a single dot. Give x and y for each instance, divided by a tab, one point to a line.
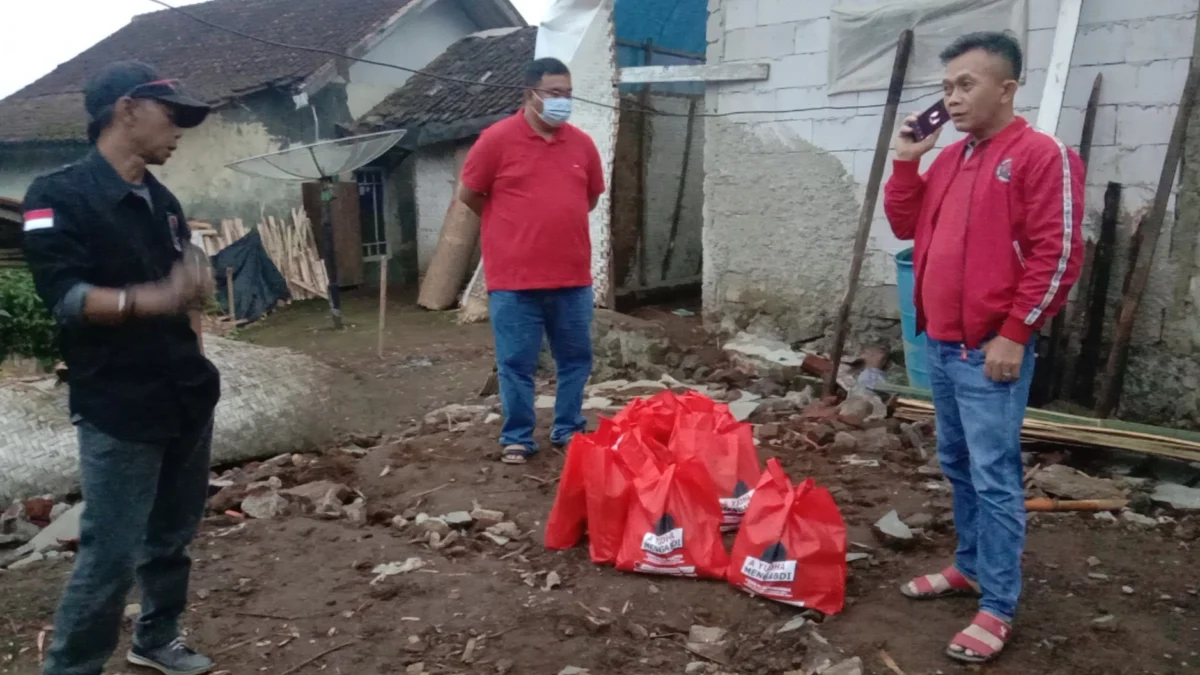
555	111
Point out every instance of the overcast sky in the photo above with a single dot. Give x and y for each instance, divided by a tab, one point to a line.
45	33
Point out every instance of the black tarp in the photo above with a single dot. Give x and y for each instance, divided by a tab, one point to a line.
257	284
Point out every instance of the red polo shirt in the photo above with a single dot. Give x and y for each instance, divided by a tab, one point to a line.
535	221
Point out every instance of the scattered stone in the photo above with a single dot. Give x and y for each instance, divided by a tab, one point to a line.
553	580
852	666
1106	624
763	356
356	512
329	506
1093	561
1177	497
497	539
271	483
701	668
767	432
460	519
1105	516
1138	519
58	510
31	559
855	460
1064	482
795	624
857	557
487	517
415	669
708	642
919	521
574	670
64	529
400	522
456	416
437	542
311	493
1127	590
506	529
437	525
892	531
393	568
1096	576
491	418
845	442
264	503
743	409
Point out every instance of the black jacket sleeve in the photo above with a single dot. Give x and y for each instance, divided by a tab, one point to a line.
53	244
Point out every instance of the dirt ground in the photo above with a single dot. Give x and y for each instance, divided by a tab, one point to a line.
269	595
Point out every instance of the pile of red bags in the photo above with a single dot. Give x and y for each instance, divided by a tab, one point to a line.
655	487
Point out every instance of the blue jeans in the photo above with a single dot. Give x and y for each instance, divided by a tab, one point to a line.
519	319
979	446
144	502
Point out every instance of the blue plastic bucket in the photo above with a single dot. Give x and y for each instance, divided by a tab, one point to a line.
915	359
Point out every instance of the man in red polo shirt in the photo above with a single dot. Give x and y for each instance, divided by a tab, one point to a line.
533	179
996	222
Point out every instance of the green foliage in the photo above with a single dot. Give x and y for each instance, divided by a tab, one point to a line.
26	328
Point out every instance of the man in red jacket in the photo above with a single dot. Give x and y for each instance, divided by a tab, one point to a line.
996	224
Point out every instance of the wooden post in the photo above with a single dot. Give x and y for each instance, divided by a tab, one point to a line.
683	174
1083	384
1150	228
1060	354
882	144
383	284
229	294
642	157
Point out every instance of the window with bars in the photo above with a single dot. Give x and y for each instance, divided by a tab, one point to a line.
370	207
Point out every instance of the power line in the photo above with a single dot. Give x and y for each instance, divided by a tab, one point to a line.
497	85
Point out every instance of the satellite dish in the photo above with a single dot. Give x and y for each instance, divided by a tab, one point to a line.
322	161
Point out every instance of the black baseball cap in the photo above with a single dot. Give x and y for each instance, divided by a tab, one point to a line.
138	80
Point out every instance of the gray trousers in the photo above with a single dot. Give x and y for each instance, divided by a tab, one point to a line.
144	502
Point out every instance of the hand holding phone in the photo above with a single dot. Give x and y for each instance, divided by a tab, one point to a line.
919	133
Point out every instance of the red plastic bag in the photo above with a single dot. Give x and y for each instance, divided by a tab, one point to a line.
674	524
707	430
568	516
792	545
609	481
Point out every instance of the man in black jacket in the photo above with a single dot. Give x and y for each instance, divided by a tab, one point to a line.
109	249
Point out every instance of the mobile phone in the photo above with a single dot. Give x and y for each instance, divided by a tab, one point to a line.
930	121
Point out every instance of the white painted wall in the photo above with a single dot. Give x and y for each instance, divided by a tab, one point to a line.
434	191
1142	49
423	34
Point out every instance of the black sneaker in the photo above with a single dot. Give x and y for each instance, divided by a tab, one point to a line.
175	658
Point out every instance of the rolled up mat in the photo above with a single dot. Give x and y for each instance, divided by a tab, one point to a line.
272	401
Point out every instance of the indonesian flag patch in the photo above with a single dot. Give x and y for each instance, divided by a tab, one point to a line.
41	219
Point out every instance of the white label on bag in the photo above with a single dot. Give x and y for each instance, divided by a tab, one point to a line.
663	544
736	504
777	572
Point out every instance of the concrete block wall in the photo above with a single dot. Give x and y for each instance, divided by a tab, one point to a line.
778	221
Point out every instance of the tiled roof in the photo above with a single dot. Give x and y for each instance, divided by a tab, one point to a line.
492	57
213	64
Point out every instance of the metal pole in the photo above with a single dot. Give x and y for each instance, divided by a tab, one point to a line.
331	267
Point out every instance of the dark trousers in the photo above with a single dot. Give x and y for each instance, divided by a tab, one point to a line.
144	502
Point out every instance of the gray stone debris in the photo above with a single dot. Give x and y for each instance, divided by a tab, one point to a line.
794	625
433	524
763	356
459	519
329	506
574	670
487	517
456	416
1177	497
394	568
264	503
356	512
1093	561
65	528
1138	519
892	531
852	666
31	559
553	580
701	668
312	493
506	529
1064	482
708	642
1106	623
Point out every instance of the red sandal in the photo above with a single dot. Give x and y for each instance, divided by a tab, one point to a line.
945	584
982	641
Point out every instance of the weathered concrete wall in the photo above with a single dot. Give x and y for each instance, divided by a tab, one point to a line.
425	32
778	225
664	169
435	176
19	166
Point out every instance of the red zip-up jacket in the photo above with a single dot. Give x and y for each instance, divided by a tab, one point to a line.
1023	244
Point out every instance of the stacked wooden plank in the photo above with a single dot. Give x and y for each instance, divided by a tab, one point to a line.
291	246
289	243
1055	427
